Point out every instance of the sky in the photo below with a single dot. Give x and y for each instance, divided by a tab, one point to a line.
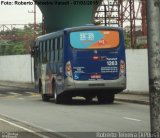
18	14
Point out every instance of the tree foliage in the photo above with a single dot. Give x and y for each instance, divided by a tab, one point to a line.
128	43
17	41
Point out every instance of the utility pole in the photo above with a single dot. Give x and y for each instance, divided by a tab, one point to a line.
153	20
35	22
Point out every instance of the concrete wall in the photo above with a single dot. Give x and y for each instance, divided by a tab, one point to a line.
18	68
15	68
137	70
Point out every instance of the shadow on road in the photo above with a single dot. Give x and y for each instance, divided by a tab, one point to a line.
80	102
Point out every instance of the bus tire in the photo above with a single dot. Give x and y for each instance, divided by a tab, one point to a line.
40	86
88	99
67	99
106	99
45	97
110	98
57	98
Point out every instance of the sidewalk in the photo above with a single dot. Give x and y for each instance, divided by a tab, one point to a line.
17	84
124	96
133	98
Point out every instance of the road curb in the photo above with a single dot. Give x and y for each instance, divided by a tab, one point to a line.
121	97
17	85
133	101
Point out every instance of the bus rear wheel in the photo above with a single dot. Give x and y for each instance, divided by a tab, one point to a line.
89	99
57	98
45	97
106	99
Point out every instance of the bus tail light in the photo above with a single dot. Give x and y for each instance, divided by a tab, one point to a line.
122	68
68	69
95	57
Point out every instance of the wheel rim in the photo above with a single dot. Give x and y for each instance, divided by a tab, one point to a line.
55	93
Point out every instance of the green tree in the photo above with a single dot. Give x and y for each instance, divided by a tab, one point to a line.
127	40
17	41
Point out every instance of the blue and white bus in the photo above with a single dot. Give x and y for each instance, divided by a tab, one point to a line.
87	61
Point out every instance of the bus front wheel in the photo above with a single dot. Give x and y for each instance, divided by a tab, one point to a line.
106	99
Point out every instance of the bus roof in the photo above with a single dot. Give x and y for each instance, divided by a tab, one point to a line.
50	35
91	27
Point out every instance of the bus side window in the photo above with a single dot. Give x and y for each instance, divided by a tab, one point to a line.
61	48
45	52
52	50
48	51
56	50
62	42
40	52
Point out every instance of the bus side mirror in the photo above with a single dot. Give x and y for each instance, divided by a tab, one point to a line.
32	52
32	48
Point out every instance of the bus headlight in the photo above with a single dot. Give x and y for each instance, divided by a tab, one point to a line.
68	69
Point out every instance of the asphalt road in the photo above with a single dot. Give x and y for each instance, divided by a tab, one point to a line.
26	106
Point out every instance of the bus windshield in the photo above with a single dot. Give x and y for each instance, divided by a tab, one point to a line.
94	39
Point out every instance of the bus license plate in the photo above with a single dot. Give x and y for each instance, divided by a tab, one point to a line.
95	76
